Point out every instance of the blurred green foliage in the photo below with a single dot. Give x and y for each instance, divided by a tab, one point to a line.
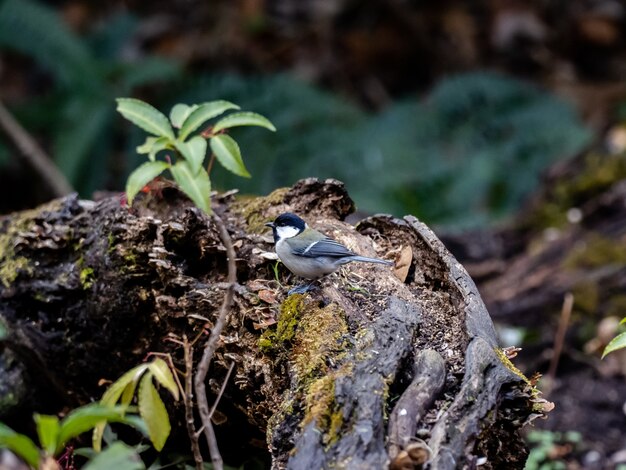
466	156
77	115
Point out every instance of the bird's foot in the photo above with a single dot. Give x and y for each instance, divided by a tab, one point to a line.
301	289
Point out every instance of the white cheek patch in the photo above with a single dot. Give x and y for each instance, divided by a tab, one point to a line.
286	232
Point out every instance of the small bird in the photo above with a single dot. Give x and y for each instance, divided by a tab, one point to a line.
308	253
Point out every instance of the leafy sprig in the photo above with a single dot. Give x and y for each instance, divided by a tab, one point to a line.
189	150
54	433
619	342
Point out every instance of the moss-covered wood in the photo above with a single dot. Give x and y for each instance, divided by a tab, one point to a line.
370	371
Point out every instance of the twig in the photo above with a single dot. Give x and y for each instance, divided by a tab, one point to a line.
188	402
209	167
170	363
559	339
211	346
34	154
219	395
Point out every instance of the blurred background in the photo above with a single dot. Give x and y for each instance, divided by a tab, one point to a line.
502	124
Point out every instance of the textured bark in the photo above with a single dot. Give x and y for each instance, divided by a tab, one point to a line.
376	369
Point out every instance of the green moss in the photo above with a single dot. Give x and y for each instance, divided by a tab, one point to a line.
596	251
290	312
11	267
86	277
509	365
110	243
11	264
131	259
598	174
310	338
254	210
86	273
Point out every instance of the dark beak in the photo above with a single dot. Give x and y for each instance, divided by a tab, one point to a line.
270	224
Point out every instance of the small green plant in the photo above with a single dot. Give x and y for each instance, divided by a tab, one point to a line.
189	151
54	433
619	342
548	447
151	408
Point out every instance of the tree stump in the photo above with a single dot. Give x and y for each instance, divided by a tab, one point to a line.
378	368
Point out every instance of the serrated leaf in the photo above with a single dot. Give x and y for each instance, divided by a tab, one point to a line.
152	411
47	431
20	445
118	456
179	113
197	186
244	118
619	342
85	418
163	375
147	145
193	151
227	152
203	113
145	116
142	176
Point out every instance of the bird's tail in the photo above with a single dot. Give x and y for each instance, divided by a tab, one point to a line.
365	259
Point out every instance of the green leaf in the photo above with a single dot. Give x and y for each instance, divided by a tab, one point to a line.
124	387
227	152
179	113
193	151
112	394
243	119
163	374
85	418
154	145
196	186
619	342
20	444
153	412
118	456
145	116
623	320
48	432
142	176
203	113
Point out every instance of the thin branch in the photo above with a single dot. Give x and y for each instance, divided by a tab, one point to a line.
559	339
188	402
211	346
221	392
33	154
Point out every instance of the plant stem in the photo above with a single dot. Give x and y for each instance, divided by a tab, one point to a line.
209	167
188	402
211	346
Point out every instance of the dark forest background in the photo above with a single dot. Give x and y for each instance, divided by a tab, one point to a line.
462	113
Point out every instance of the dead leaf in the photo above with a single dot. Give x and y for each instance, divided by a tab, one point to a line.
267	296
403	263
264	324
255	285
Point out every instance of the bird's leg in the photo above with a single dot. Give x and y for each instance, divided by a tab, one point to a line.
301	289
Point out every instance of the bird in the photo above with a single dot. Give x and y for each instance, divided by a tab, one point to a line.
308	253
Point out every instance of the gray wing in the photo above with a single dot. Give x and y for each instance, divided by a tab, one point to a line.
324	247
